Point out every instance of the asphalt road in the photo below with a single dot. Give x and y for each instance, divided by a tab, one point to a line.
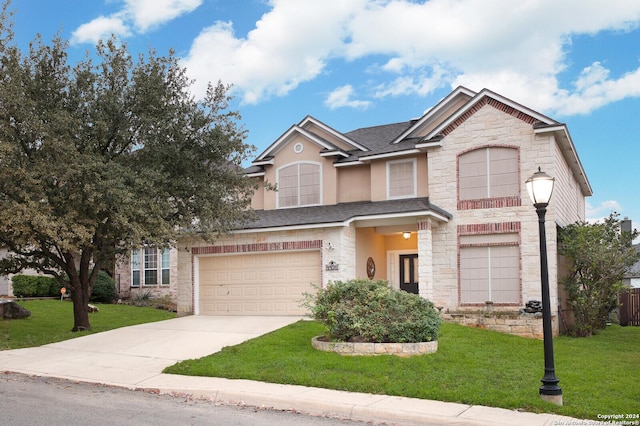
35	401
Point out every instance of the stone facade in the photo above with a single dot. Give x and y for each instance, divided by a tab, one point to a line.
362	348
524	325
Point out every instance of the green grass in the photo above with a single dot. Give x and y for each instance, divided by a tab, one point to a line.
598	375
52	321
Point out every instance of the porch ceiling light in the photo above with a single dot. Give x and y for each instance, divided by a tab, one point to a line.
406	235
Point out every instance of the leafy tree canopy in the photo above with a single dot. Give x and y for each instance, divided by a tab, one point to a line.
109	154
599	255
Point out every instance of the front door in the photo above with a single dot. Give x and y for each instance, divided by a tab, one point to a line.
409	273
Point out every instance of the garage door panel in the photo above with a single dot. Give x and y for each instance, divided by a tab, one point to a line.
257	284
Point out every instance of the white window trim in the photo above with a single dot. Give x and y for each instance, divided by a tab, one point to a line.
415	179
141	269
298	163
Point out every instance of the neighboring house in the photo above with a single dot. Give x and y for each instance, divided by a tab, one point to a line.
632	277
436	205
6	285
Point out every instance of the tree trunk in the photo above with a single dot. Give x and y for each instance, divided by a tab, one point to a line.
80	299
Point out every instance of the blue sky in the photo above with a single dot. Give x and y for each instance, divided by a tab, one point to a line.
359	63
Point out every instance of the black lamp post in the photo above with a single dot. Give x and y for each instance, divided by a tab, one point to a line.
540	187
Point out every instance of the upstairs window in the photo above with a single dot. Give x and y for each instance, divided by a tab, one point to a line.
401	179
490	172
299	185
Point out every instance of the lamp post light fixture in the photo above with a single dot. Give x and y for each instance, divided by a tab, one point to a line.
540	188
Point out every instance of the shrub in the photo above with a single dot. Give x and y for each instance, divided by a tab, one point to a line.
374	312
35	286
599	255
104	289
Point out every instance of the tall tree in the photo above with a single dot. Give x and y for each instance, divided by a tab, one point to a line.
107	155
599	255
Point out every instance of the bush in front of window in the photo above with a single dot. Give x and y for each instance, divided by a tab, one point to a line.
373	311
104	289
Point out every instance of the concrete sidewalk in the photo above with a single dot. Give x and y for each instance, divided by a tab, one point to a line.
134	357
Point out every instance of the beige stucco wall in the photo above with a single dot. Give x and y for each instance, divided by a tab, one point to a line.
379	177
370	244
257	201
354	184
310	152
327	136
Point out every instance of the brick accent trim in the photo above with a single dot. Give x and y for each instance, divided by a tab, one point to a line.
424	226
491	102
490	203
258	247
489	228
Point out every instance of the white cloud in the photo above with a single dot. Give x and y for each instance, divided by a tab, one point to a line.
421	46
601	211
341	97
150	13
100	28
136	15
289	46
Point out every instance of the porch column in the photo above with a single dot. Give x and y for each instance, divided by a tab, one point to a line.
425	259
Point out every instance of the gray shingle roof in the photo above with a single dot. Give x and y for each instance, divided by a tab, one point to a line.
379	137
340	213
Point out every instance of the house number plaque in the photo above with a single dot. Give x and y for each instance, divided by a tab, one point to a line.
332	266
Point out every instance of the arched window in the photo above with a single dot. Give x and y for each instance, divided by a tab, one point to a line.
488	173
299	184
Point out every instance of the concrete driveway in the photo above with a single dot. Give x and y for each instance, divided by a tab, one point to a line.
131	355
134	357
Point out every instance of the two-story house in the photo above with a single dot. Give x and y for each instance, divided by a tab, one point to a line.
436	205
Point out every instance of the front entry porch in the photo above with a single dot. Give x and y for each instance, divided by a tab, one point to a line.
400	254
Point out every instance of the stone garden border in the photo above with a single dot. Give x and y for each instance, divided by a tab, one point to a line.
358	348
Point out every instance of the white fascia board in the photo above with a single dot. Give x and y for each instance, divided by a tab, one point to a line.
390	155
434	111
274	148
489	94
328	129
424	145
569	151
398	215
289	228
257	174
343	224
275	144
550	129
350	163
334	153
263	163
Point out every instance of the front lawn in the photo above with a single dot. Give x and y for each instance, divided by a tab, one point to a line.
52	321
598	375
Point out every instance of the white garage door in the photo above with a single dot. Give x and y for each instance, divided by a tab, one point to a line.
257	284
